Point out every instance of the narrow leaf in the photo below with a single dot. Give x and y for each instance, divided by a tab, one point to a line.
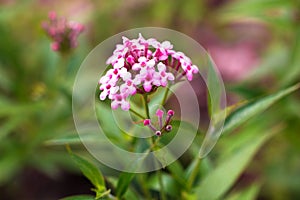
220	180
91	172
170	186
79	197
250	193
9	126
123	183
72	139
247	111
107	121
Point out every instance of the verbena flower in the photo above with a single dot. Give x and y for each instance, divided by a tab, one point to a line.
63	33
141	66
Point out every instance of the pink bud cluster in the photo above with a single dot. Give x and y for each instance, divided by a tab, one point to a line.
63	33
166	126
141	66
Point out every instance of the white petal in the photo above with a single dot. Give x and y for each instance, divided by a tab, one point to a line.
125	39
167	45
161	67
114	90
120	63
170	76
103	95
137	80
142	59
125	105
151	63
114	104
104	79
136	66
195	69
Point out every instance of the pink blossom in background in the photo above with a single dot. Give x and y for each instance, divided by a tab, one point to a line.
234	62
63	33
236	53
81	10
7	2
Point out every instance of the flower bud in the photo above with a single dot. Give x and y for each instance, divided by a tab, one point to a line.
171	113
158	133
168	128
147	122
159	113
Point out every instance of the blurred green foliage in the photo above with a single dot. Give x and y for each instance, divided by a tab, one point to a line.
36	88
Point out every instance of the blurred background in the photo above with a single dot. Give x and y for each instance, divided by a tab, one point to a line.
255	44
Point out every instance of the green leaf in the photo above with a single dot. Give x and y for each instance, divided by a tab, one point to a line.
232	143
10	164
72	139
294	61
220	180
215	100
170	186
79	197
177	172
214	87
106	120
91	172
10	125
130	194
123	183
8	108
249	193
252	108
254	8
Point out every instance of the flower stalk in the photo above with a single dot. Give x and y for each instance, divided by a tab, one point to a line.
194	173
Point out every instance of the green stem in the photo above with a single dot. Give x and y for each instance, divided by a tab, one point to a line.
146	105
137	114
161	185
153	144
146	192
61	68
165	95
194	174
60	78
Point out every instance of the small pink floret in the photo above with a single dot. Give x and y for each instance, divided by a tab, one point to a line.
147	122
52	15
159	113
171	112
55	46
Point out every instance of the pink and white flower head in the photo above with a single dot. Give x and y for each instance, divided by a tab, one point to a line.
141	66
63	33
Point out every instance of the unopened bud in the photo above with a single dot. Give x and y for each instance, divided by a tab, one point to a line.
147	122
159	114
171	112
168	128
170	115
158	133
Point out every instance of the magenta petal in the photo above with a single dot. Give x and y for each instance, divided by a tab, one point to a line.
147	87
159	113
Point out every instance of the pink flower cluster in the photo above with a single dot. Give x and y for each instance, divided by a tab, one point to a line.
141	66
166	126
63	33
